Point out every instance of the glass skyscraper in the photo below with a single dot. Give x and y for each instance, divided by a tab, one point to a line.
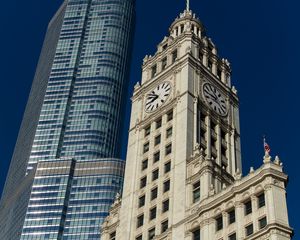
66	168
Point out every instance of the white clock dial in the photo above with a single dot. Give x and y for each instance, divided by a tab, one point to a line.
157	96
215	99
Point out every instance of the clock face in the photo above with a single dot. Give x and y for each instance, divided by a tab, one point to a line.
215	99
157	96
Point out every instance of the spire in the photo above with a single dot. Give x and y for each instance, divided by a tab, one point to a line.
188	5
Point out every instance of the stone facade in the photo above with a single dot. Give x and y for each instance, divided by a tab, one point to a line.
183	172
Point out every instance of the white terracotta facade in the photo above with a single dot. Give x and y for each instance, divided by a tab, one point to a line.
183	170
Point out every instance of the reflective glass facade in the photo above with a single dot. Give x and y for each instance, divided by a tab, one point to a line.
73	146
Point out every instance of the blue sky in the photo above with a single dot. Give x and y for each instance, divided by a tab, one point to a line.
260	38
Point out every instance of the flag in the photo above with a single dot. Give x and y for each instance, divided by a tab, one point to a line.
266	146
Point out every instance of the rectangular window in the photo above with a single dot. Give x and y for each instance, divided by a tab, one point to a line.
153	71
167	167
164	63
209	65
196	234
154	193
155	174
140	221
156	157
232	236
169	116
219	73
157	140
261	200
248	207
262	223
151	234
146	147
142	201
164	226
174	55
219	223
144	164
143	182
112	236
249	230
152	214
200	56
147	131
158	123
196	192
231	216
169	132
165	206
168	149
166	186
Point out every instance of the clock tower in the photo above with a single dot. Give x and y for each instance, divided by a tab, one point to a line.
184	140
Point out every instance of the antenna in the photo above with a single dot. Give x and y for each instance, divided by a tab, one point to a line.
188	5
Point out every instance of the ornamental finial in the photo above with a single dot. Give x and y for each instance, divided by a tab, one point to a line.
188	5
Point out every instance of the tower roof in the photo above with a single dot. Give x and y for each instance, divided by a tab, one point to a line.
187	16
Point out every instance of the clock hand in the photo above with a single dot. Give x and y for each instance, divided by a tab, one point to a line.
153	99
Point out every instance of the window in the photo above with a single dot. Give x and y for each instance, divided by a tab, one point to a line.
158	123
143	182
147	131
112	236
167	167
262	223
146	147
196	234
153	193
142	201
249	230
200	56
157	140
155	174
153	71
168	149
174	56
140	221
169	116
164	226
232	236
209	64
219	73
231	216
248	207
219	223
164	63
156	157
151	234
139	237
169	132
144	164
152	214
166	187
261	200
196	192
165	206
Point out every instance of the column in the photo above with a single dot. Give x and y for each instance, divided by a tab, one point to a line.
270	205
208	134
219	144
239	210
195	122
